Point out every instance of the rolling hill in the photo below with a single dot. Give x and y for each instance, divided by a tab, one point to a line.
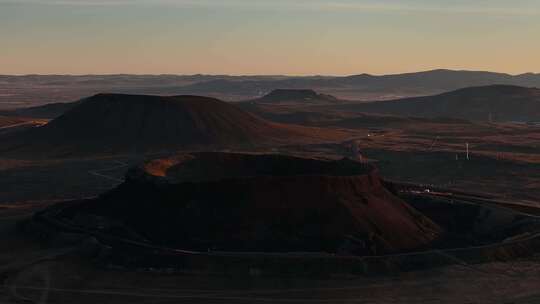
365	86
498	103
114	123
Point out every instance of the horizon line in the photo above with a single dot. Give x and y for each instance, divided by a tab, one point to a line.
267	75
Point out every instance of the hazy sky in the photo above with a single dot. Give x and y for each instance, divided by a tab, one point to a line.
268	37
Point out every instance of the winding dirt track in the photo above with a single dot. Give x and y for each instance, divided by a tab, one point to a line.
514	282
496	284
108	177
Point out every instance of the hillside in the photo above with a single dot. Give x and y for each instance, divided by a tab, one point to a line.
6	121
47	111
265	203
497	103
296	96
114	123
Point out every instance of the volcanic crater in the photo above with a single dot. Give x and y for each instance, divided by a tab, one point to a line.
121	123
261	203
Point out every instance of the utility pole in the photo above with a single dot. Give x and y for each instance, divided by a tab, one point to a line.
355	149
433	143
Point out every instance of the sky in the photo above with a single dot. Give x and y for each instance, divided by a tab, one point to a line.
247	37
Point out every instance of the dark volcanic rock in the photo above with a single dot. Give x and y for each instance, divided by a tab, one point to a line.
272	203
118	123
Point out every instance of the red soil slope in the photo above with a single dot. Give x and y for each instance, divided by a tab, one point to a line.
239	202
6	121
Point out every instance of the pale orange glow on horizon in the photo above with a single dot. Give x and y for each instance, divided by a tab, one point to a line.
246	38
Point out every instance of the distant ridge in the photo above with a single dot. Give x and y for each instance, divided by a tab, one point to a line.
405	84
302	96
32	90
495	103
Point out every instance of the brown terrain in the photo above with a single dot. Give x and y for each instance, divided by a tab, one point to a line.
31	90
12	124
497	103
270	203
47	111
9	121
116	123
504	158
95	142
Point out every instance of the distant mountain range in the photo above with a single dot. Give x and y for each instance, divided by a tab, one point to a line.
20	91
497	103
365	86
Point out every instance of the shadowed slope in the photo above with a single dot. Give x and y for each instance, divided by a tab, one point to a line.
272	203
47	111
499	102
112	123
